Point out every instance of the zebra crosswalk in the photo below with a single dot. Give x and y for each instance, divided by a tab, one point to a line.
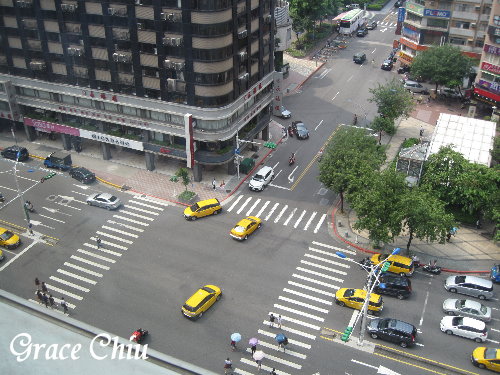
86	266
303	305
277	212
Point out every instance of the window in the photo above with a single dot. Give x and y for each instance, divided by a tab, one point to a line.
462	7
457	41
432	22
462	25
496	20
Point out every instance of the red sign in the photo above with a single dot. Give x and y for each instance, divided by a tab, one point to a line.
490	68
50	126
487	94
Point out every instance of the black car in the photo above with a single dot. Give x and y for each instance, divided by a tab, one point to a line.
371	25
359	58
12	152
300	130
398	3
82	174
393	285
393	330
387	65
362	32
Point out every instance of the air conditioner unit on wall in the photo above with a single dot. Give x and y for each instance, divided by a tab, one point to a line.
171	84
140	26
168	64
244	77
243	56
164	16
242	34
472	25
179	66
177	42
116	57
167	41
268	18
111	11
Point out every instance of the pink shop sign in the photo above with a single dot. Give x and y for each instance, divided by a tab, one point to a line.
51	127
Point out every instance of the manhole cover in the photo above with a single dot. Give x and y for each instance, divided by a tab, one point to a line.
324	202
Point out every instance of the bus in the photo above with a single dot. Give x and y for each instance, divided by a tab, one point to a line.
351	21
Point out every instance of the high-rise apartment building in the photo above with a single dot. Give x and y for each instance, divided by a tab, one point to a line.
170	78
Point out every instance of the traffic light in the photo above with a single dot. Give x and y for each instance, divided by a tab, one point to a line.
347	334
385	266
270	145
50	175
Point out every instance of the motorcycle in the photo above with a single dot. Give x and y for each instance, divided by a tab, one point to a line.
290	130
365	263
432	268
139	335
291	160
416	261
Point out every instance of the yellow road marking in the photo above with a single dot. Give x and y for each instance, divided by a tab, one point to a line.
411	364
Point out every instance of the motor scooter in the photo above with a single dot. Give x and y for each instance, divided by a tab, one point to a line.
290	130
139	335
291	160
432	268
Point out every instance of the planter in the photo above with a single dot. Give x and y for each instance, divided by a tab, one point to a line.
188	199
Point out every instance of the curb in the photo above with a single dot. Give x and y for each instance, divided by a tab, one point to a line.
308	77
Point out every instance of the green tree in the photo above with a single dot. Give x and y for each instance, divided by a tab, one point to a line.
495	151
442	65
304	13
348	157
383	124
183	174
424	216
377	205
392	100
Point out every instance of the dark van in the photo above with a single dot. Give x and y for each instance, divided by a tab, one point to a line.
12	152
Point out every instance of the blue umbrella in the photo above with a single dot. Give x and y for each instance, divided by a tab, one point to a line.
236	337
280	338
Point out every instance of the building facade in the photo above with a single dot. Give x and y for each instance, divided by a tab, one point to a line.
169	78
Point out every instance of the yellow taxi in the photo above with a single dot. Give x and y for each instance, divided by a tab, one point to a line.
201	301
401	265
356	297
489	358
203	208
245	227
8	239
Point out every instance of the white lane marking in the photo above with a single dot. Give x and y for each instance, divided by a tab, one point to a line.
242	372
141	210
235	203
310	219
338	92
53	288
319	274
324	73
285	319
67	283
364	364
97	274
353	319
94	247
264	368
334	248
307	287
295	342
272	211
316	281
270	357
253	207
419	344
77	192
125	226
294	301
83	260
290	217
106	243
493	329
244	205
51	218
373	50
323	268
320	300
275	347
131	220
136	215
493	341
262	209
120	231
323	217
299	219
317	126
423	310
81	278
19	254
278	186
114	237
280	214
298	312
325	260
152	200
343	265
146	205
348	79
96	256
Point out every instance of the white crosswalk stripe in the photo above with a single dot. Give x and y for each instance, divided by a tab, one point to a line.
281	361
53	288
280	214
83	260
299	219
296	332
321	267
334	248
320	222
71	265
263	208
141	210
307	296
136	215
286	319
314	281
244	205
263	367
157	201
146	205
94	247
307	287
340	264
290	217
120	231
253	207
126	226
106	259
131	220
294	342
326	261
272	211
109	244
303	304
310	220
298	312
234	203
81	278
69	283
114	237
274	347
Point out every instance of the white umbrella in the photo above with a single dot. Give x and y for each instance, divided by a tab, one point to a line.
259	355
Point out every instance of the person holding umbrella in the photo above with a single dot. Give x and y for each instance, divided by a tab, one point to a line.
258	356
253	344
235	337
282	341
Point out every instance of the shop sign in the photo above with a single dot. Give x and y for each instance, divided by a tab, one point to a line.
490	86
106	138
415	8
490	68
48	127
438	13
494	50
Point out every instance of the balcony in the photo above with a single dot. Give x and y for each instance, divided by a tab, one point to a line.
467	16
456	31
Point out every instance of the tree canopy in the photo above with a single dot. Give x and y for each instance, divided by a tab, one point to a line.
392	100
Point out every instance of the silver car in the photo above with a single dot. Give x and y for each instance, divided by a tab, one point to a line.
105	200
466	307
415	87
470	285
466	327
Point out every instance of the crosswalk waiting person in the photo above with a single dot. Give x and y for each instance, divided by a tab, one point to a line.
64	305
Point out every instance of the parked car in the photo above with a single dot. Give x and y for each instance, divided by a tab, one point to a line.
105	200
16	153
466	307
261	179
371	25
203	208
488	358
451	93
362	32
300	130
285	113
495	273
470	285
359	58
469	328
399	264
393	285
415	87
245	227
393	330
201	301
9	239
82	174
387	65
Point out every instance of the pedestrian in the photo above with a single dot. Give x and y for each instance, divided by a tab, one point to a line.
64	305
448	236
214	183
271	320
279	320
259	363
44	287
98	241
228	366
284	132
37	283
51	301
283	343
478	224
39	295
253	349
421	131
272	372
355	119
30	228
233	345
45	300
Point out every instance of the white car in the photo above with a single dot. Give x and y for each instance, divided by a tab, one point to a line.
466	327
466	307
285	113
261	179
105	200
449	93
